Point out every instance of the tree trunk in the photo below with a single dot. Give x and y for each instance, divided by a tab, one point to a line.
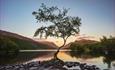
55	55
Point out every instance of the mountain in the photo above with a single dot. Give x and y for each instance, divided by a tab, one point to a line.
24	42
85	41
47	43
81	42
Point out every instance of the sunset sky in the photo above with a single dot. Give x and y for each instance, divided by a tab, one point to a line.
98	16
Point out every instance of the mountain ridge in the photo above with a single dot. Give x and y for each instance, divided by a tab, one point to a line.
81	42
18	37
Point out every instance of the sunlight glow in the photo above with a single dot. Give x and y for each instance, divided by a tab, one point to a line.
59	41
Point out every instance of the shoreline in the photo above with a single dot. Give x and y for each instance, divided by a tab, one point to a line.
43	50
53	64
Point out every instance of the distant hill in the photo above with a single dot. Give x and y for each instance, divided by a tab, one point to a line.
81	42
47	43
26	43
85	41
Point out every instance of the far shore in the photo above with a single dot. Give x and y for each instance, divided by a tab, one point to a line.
42	50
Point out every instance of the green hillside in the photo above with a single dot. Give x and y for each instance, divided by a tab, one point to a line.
23	43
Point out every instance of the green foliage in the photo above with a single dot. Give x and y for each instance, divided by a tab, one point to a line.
61	25
24	45
8	46
20	43
108	43
77	47
105	48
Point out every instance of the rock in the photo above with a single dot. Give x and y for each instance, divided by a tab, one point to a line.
33	68
33	64
69	64
54	64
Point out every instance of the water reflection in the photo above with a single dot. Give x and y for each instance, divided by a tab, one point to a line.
25	57
101	60
101	57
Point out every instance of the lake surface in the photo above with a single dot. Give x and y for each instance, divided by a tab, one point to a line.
103	62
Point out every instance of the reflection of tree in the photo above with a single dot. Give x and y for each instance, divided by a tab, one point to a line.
83	55
108	58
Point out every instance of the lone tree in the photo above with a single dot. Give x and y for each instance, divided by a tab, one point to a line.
58	23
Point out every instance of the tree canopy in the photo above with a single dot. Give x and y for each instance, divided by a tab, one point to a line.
60	24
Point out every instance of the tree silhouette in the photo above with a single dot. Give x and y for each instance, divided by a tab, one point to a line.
108	43
58	23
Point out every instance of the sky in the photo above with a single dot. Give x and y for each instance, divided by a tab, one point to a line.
98	16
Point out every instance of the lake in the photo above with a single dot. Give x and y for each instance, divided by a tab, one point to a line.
103	62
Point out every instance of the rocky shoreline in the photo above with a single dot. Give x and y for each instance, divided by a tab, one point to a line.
53	64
